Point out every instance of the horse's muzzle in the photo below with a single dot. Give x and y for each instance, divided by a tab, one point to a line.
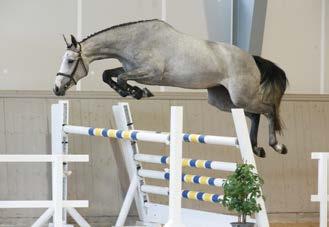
58	91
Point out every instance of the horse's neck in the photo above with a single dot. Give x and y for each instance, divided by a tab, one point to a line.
109	44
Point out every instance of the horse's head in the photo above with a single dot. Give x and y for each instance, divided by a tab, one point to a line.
74	67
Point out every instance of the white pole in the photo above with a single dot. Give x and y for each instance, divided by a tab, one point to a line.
127	202
77	217
124	121
164	10
323	190
158	190
57	190
79	31
42	220
241	129
57	120
64	112
175	183
57	146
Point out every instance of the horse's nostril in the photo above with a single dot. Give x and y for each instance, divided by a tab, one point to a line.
56	90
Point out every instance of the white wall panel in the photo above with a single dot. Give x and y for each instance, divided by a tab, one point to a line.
292	40
31	45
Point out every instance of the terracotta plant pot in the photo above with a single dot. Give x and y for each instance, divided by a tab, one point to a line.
239	224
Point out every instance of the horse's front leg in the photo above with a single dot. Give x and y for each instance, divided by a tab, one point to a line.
136	75
107	78
273	142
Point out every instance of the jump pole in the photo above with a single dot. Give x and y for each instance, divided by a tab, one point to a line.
175	182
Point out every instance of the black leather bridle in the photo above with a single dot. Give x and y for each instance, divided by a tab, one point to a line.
71	76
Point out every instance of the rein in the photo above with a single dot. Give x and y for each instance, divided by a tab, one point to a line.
71	76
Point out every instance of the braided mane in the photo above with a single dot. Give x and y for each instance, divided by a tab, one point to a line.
116	26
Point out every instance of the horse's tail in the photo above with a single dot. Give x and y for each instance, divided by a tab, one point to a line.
273	85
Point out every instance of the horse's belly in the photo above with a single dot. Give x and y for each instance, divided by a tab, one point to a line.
191	81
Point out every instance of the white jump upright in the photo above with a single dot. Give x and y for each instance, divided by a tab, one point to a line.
322	195
60	143
175	186
59	205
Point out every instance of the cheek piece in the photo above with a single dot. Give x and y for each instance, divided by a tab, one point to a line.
71	76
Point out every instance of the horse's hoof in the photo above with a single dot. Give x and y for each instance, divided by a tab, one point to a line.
280	148
284	149
147	93
259	151
122	93
136	92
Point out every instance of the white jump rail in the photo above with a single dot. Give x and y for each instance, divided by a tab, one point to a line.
149	136
193	163
322	196
57	205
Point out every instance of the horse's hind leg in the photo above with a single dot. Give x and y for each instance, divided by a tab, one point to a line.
259	151
219	97
273	142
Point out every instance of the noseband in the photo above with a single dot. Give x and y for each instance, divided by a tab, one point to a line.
71	76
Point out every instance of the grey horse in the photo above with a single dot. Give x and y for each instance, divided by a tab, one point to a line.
152	52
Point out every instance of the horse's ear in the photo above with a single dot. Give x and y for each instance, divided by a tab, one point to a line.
74	41
67	44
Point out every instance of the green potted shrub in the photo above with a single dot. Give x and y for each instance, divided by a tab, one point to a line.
241	191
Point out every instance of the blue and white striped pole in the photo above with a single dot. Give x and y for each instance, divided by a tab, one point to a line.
193	163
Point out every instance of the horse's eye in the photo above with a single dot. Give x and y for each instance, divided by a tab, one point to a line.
70	61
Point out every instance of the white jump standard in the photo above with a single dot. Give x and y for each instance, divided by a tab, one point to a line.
59	205
322	195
